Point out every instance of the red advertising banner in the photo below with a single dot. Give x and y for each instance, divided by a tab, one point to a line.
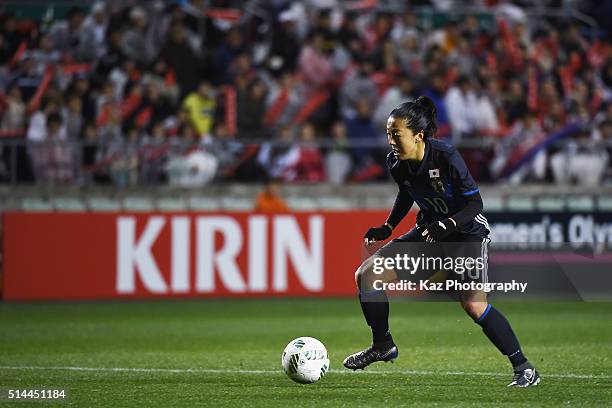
74	256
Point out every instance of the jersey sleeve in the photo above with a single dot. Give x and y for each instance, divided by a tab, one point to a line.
462	180
403	203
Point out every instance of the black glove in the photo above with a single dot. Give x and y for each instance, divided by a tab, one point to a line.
378	233
439	230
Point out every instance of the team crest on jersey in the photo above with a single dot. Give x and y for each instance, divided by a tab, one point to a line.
438	186
436	181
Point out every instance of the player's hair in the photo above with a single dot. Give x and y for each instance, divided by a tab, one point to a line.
419	114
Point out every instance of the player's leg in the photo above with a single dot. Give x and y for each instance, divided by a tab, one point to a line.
499	331
375	305
494	324
374	302
375	308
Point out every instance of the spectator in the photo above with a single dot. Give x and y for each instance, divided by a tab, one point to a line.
270	200
25	77
484	116
524	130
460	102
436	92
470	28
446	37
12	37
406	27
122	78
309	166
164	79
73	117
395	95
410	54
110	136
251	111
153	107
241	72
314	64
52	156
82	87
124	167
358	86
92	43
65	35
368	159
153	154
285	99
461	57
44	55
338	163
349	35
515	101
361	130
378	31
181	58
38	128
13	117
385	58
280	158
582	161
195	166
113	55
176	167
555	118
226	53
323	25
229	151
285	46
92	155
139	38
201	106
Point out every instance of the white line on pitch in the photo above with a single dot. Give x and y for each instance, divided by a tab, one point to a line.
230	371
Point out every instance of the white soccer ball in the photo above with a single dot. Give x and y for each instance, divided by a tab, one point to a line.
305	360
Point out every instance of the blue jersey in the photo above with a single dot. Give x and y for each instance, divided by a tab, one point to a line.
440	185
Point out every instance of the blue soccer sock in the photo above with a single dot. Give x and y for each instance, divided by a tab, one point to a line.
496	327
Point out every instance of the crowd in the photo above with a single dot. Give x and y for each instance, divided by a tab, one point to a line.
189	92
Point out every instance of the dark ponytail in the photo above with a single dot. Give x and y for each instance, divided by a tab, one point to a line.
419	114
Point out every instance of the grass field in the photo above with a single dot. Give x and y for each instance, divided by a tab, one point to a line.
227	353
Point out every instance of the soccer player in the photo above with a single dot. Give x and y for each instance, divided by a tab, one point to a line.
432	174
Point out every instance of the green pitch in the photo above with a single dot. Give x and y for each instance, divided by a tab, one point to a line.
227	353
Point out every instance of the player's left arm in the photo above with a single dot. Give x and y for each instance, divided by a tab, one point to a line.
463	184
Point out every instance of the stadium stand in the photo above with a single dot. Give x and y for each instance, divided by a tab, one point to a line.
188	93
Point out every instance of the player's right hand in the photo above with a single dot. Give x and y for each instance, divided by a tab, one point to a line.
377	234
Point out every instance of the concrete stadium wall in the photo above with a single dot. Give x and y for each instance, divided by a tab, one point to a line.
241	197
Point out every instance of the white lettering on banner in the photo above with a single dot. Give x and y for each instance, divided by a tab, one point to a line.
135	257
258	253
308	265
584	230
580	229
536	232
132	255
224	260
576	229
180	254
